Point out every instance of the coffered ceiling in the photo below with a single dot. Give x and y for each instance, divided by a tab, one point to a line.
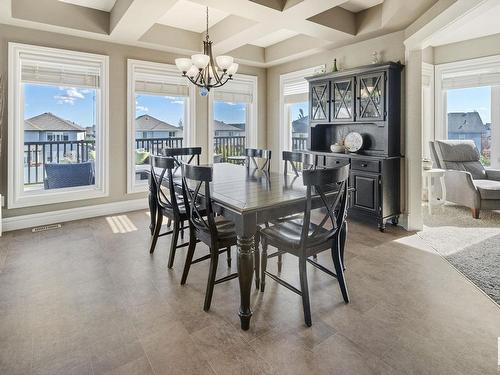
255	32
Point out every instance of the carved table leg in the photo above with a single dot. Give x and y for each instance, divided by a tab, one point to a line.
152	205
245	275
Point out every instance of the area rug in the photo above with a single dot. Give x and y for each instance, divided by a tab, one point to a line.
472	246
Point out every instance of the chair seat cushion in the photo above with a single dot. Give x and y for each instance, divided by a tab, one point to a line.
488	189
288	233
225	227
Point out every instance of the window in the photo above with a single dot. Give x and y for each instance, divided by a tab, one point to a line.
159	116
54	97
298	122
468	104
233	113
469	117
294	114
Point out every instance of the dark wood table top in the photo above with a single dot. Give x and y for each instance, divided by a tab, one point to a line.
246	190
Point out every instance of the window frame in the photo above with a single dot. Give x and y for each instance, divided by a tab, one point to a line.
189	132
17	197
252	115
285	134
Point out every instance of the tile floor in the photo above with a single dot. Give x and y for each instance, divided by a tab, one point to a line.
89	299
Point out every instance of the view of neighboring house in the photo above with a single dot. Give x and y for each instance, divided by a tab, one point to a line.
221	129
300	126
147	126
469	125
49	127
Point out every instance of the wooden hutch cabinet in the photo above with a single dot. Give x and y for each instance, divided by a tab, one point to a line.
366	100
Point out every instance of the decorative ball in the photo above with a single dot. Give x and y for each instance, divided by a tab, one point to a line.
203	91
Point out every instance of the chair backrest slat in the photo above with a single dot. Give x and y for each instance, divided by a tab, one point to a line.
297	160
256	153
161	173
177	153
331	184
194	178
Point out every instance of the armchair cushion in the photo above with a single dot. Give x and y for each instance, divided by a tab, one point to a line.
493	174
488	189
461	155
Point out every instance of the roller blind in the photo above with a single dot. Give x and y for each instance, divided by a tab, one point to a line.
161	88
62	74
234	91
296	91
471	79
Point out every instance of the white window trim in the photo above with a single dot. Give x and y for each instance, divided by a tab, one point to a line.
285	137
252	115
440	94
189	116
17	197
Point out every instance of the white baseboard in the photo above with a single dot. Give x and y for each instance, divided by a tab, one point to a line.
60	216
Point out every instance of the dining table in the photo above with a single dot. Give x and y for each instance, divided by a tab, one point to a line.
250	197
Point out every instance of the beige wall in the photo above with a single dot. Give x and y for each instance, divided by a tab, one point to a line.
469	49
390	46
118	101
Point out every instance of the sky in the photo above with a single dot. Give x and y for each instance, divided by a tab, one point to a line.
469	100
76	104
230	113
69	103
296	107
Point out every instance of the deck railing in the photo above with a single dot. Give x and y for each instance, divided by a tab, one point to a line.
37	154
229	146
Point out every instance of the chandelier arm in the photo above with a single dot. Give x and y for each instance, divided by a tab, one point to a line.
223	83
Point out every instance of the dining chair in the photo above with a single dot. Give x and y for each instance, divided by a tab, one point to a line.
179	154
297	161
167	205
252	154
216	232
303	238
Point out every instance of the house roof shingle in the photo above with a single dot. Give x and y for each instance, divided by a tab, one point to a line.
150	123
465	122
300	125
49	122
222	126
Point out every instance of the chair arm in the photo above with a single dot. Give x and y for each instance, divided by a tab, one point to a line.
460	189
493	174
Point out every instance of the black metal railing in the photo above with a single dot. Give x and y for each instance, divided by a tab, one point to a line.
155	145
299	143
37	154
229	146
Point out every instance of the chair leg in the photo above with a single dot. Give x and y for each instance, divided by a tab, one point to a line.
173	243
156	233
343	237
305	291
256	261
280	261
338	268
263	265
475	213
182	230
214	260
229	256
189	258
169	222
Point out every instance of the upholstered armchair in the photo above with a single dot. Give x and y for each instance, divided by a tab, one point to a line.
467	182
68	175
